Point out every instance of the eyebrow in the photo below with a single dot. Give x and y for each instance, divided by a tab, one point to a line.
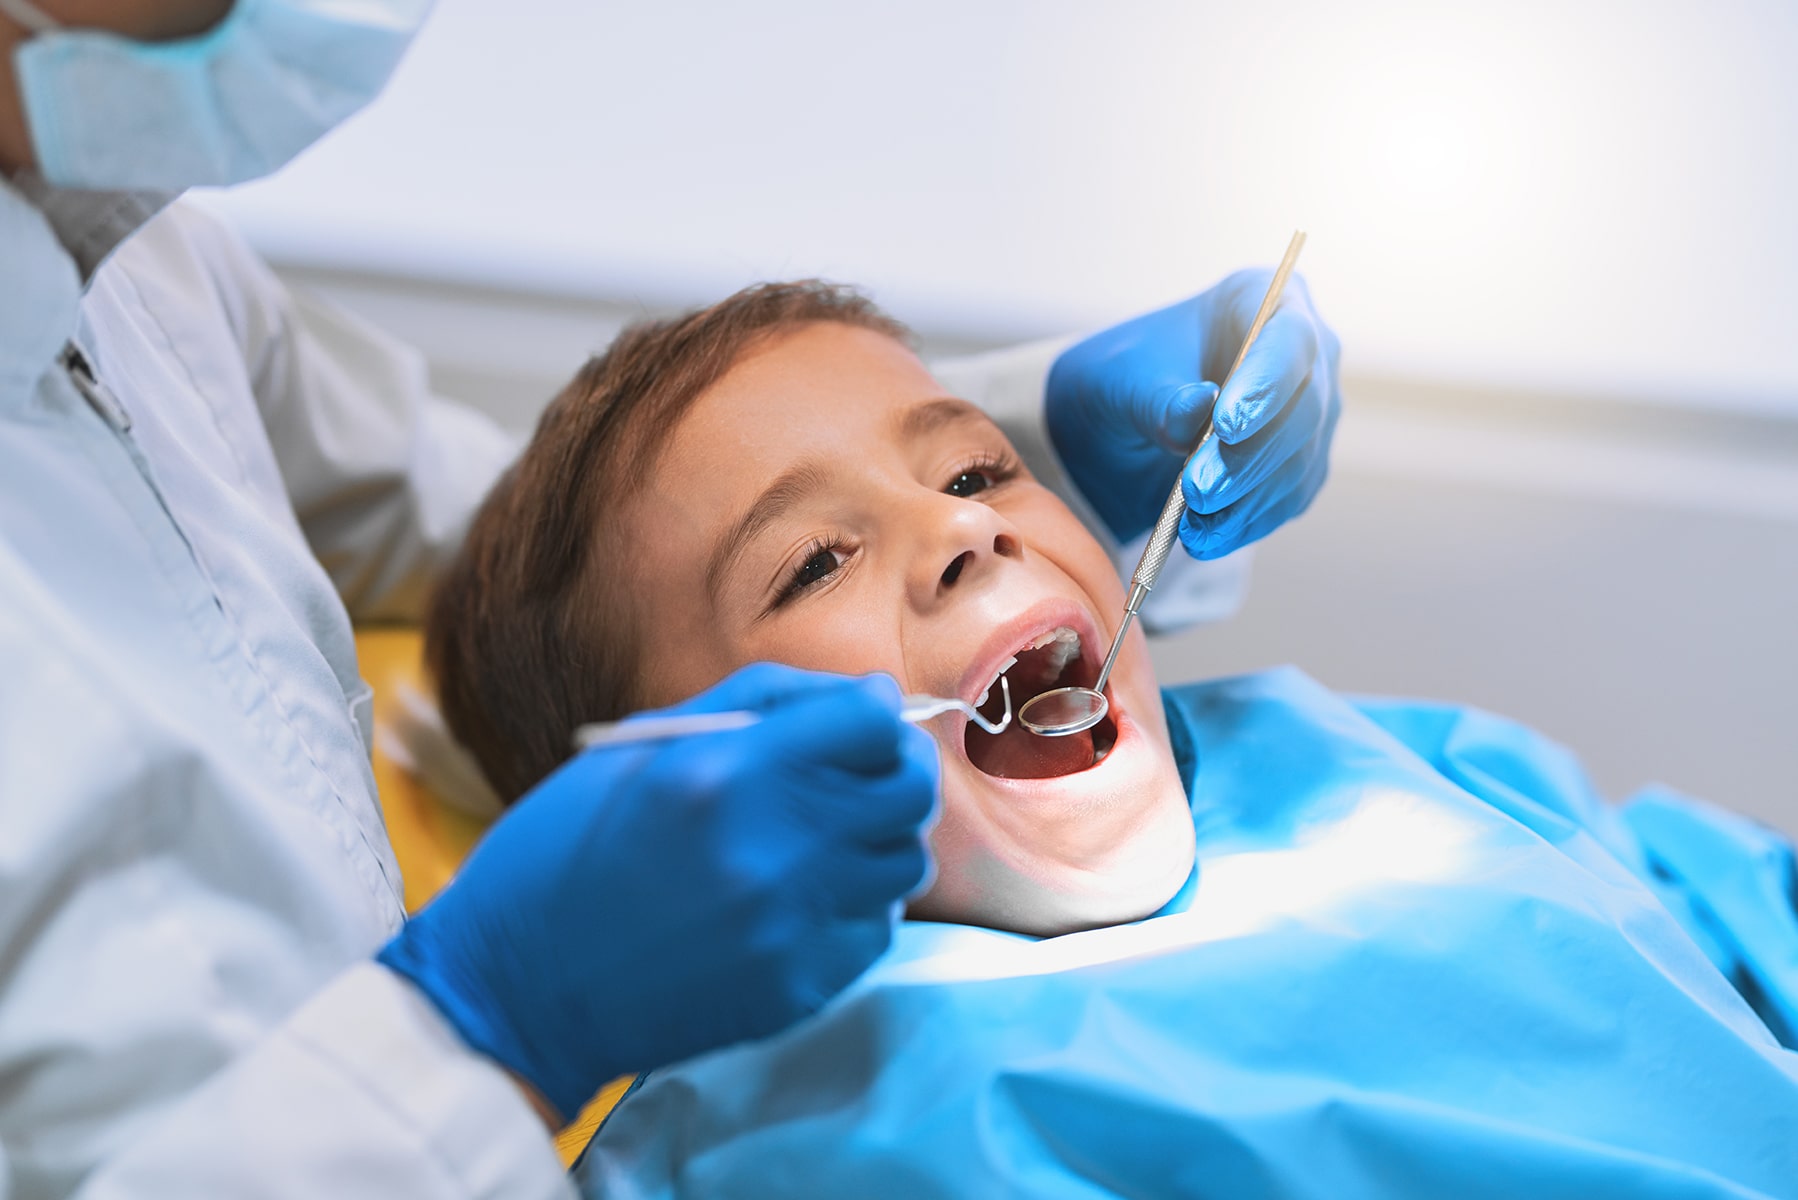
932	415
788	489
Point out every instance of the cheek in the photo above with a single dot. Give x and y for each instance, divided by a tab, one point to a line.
1048	525
683	645
851	630
1078	555
675	669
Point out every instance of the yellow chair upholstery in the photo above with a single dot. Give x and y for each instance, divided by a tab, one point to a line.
429	839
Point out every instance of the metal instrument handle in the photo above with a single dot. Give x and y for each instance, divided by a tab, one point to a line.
914	708
1167	525
1161	541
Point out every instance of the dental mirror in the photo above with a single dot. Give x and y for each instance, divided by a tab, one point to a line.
1069	710
1063	711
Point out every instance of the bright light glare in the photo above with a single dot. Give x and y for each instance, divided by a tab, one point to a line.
1472	176
1426	160
1389	837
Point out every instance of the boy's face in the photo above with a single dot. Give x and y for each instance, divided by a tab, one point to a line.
826	505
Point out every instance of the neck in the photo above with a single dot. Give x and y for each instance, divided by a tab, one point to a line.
15	137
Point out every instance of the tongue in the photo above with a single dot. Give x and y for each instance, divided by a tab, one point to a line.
1019	754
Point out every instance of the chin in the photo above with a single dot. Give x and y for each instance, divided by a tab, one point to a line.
1108	843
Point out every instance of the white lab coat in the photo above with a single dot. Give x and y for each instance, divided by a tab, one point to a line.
193	867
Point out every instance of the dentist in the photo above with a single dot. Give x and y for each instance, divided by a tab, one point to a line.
208	986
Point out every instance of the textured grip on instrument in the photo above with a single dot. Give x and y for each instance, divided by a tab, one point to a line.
1167	527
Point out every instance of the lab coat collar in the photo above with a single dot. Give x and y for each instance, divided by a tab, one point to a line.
39	299
90	225
52	241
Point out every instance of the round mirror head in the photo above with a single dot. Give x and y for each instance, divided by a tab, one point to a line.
1063	711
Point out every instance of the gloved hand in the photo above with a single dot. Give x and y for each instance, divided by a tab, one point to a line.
1125	408
646	903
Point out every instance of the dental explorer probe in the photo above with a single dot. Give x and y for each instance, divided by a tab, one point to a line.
916	708
1068	710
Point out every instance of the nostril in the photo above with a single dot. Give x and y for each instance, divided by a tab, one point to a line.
953	571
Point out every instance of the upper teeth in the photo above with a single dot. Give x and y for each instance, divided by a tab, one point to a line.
1005	666
1066	648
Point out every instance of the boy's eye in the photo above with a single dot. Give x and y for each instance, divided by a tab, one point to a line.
969	483
821	561
981	473
816	568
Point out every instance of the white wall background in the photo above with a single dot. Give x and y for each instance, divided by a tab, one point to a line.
1594	194
1557	239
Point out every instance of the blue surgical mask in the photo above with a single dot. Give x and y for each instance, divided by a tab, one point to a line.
234	103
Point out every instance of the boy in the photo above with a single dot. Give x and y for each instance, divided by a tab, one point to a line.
1415	956
871	524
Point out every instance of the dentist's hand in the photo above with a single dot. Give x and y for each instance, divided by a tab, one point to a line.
1125	408
650	902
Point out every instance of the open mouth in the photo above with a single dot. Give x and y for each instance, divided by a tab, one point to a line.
1053	659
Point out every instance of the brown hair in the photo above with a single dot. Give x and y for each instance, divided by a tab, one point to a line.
529	635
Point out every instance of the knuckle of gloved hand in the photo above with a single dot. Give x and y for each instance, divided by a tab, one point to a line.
693	774
760	869
812	717
869	706
917	794
771	688
1198	481
822	862
769	681
781	959
921	760
1249	282
757	677
1195	535
880	688
1246	413
861	736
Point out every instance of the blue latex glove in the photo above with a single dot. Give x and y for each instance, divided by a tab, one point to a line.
1125	408
647	903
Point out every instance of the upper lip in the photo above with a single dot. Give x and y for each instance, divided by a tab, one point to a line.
1017	633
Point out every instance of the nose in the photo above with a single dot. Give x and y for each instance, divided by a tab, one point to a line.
961	542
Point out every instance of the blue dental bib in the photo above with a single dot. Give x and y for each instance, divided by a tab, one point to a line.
1421	959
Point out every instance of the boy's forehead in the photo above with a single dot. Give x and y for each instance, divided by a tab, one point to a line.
797	419
823	386
800	417
842	363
